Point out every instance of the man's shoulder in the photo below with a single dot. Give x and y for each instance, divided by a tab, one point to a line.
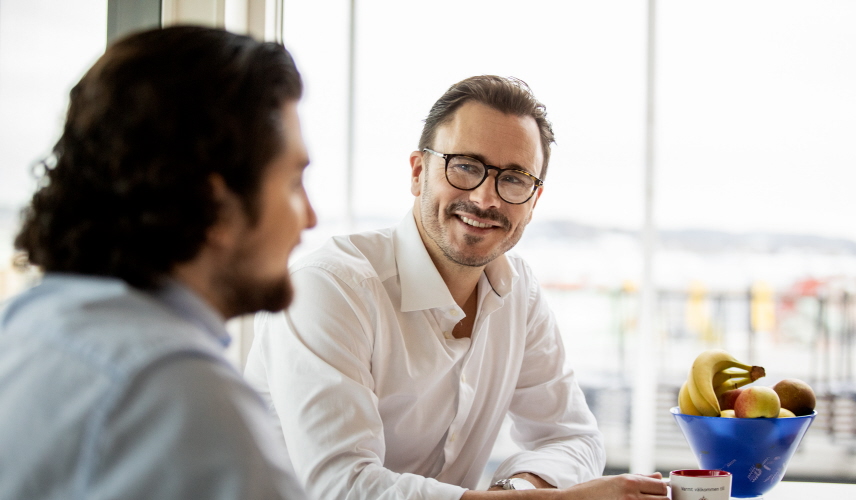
353	258
105	324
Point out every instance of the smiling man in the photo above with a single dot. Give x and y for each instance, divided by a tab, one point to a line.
394	370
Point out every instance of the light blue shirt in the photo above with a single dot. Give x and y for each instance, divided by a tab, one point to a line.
110	392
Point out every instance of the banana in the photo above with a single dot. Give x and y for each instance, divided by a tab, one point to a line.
685	403
700	382
702	404
724	376
714	372
738	379
732	384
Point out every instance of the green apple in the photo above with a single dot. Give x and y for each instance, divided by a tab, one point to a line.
796	395
757	402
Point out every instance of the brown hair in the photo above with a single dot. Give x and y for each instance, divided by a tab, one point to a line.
508	95
127	191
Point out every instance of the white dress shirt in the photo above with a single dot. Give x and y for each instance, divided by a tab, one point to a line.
377	399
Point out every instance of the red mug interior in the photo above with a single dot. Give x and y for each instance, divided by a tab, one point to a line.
700	473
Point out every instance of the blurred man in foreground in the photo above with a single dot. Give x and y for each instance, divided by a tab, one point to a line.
172	202
407	347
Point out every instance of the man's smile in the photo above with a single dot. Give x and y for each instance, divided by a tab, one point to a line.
474	217
475	223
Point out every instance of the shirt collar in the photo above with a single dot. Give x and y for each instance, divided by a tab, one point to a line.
422	287
501	275
191	307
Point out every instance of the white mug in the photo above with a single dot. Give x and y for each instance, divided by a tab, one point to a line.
700	484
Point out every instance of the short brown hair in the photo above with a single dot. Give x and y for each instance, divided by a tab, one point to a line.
507	95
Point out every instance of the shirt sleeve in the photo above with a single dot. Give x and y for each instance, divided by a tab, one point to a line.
316	360
187	427
551	421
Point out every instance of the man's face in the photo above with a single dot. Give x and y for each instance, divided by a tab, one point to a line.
256	273
471	228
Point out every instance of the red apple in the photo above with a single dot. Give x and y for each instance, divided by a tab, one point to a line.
796	395
757	402
727	399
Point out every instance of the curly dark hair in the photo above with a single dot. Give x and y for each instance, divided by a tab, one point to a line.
507	95
127	191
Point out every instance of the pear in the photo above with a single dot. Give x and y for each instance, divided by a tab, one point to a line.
796	395
786	413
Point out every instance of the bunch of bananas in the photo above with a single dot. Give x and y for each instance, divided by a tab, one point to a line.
714	372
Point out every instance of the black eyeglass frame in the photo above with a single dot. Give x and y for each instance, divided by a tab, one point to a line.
487	169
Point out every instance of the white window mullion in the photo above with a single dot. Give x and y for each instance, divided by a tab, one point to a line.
261	19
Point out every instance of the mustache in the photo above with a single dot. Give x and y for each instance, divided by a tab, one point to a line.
491	214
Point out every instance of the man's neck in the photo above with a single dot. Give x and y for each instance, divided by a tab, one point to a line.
461	280
194	275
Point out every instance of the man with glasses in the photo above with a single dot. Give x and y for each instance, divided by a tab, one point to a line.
394	370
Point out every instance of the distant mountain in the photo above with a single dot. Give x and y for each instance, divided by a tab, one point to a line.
571	232
698	240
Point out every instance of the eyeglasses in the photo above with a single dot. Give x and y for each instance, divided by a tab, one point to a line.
467	173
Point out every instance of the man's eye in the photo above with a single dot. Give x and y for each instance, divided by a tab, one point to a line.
511	179
468	167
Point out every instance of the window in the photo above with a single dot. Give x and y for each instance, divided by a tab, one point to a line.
45	47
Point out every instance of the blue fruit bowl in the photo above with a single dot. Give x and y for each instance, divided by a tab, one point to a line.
755	451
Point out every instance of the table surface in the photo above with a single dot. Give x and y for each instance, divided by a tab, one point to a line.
793	490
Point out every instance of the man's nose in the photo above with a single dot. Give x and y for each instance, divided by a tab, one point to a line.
486	195
311	216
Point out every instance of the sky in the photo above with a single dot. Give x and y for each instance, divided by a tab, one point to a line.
755	113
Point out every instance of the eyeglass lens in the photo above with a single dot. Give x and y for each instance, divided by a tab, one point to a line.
467	173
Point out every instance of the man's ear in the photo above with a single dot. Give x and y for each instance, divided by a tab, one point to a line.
416	172
231	218
537	196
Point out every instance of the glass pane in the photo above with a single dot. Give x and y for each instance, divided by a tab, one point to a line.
754	158
45	46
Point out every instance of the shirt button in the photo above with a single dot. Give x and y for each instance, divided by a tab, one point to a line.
454	312
464	379
448	335
453	437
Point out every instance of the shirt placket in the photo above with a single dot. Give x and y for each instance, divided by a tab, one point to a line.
467	377
450	317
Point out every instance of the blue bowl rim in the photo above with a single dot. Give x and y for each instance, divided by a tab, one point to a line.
676	410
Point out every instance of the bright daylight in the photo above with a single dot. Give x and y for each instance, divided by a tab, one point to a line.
359	228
